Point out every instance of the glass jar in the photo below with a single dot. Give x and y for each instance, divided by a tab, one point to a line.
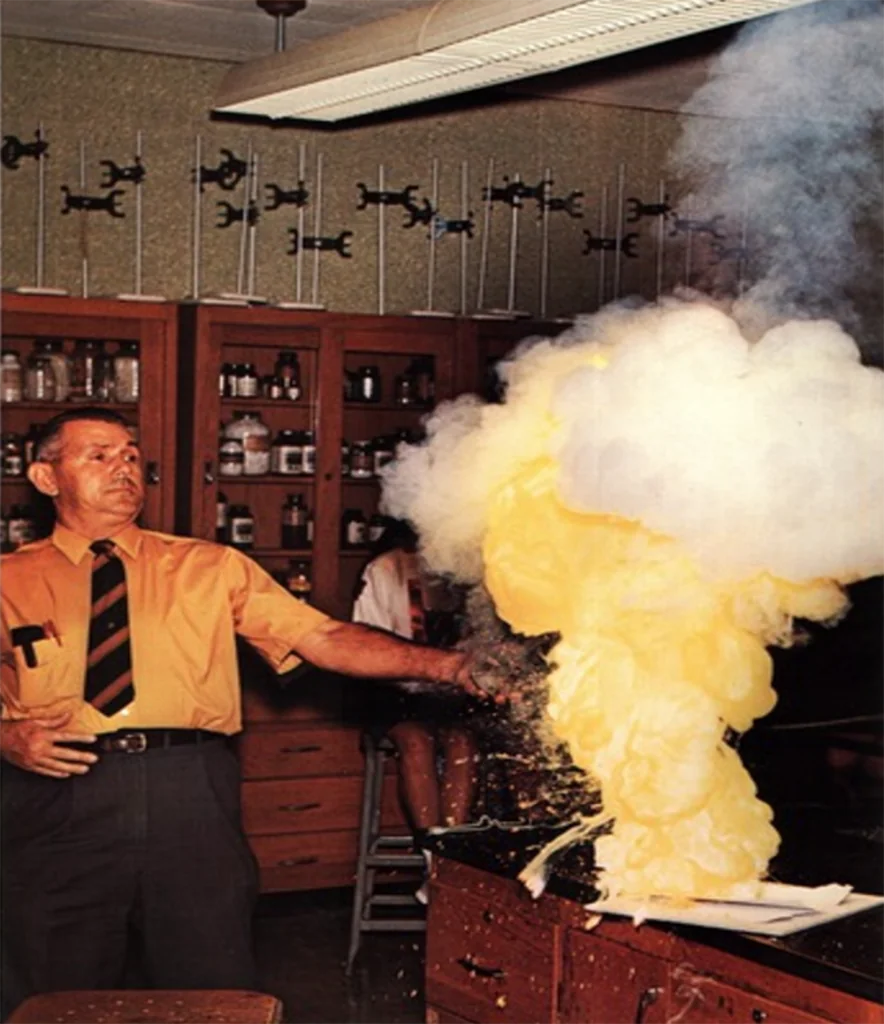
361	460
85	354
253	433
11	389
61	367
286	453
271	387
308	454
227	380
222	517
383	451
288	369
39	375
369	385
242	527
297	580
127	372
231	457
247	383
354	528
345	458
13	459
294	522
21	527
105	381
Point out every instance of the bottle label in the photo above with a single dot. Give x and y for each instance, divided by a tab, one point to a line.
355	532
242	532
286	459
308	459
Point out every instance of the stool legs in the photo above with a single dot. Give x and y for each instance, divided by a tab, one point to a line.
372	856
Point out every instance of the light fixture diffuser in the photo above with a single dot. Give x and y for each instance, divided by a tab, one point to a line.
460	45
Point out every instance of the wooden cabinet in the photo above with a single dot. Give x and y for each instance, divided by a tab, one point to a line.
490	954
28	319
302	766
493	954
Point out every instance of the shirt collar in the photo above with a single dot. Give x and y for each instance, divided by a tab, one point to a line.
74	546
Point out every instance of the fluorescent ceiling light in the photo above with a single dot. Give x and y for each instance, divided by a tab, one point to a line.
460	45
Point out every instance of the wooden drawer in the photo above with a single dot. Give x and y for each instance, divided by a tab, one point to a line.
277	806
306	860
486	963
706	1001
606	983
436	1016
267	752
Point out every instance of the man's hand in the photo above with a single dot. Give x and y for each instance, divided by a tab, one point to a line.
476	676
32	744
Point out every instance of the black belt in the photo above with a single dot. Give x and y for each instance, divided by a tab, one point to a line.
137	741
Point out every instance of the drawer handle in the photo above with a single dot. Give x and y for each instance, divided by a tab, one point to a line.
307	749
646	999
300	807
291	862
469	964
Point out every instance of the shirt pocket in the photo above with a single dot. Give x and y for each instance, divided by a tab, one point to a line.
44	682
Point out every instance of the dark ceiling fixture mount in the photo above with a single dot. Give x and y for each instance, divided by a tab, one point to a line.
280	10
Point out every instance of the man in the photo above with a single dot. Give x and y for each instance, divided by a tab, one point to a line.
119	683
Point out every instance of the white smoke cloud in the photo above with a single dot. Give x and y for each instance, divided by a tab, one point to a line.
794	156
756	456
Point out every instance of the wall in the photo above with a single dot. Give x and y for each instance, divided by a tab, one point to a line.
106	96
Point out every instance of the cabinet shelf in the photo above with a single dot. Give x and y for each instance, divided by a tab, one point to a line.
269	478
263	403
56	407
385	407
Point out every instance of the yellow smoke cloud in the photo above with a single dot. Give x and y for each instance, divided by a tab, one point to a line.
667	498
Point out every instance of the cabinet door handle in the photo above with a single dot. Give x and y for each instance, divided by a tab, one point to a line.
291	862
208	473
469	964
152	473
300	807
646	999
306	749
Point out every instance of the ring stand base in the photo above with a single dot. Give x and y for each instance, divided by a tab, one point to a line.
33	289
138	297
299	305
248	300
444	313
499	314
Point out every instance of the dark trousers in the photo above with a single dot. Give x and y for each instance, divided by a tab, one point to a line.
148	841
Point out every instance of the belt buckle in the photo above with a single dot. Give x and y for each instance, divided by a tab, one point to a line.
131	743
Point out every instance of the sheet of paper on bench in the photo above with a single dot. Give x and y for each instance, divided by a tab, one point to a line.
781	910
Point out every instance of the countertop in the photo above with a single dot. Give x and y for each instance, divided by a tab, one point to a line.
847	954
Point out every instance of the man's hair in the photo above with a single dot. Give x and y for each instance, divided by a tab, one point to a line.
48	446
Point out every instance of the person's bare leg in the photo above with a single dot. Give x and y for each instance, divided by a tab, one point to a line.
458	785
418	786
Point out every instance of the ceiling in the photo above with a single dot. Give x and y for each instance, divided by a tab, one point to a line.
225	30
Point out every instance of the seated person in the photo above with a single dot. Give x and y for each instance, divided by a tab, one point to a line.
424	725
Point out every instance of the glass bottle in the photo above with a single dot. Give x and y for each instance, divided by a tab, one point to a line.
222	516
345	458
22	528
353	528
361	460
86	352
39	375
383	451
377	526
11	389
297	580
241	525
294	522
288	369
308	454
404	390
13	460
127	372
29	444
105	381
369	389
253	433
227	381
287	453
247	383
231	457
61	367
423	374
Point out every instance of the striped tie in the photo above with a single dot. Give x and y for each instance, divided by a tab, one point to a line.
109	662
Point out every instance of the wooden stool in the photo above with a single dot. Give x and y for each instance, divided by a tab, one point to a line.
158	1006
377	851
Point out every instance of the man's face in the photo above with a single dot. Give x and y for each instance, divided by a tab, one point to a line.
98	474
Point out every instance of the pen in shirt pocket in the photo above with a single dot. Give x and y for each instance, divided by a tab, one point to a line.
50	629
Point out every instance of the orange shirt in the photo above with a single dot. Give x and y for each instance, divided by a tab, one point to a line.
188	599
